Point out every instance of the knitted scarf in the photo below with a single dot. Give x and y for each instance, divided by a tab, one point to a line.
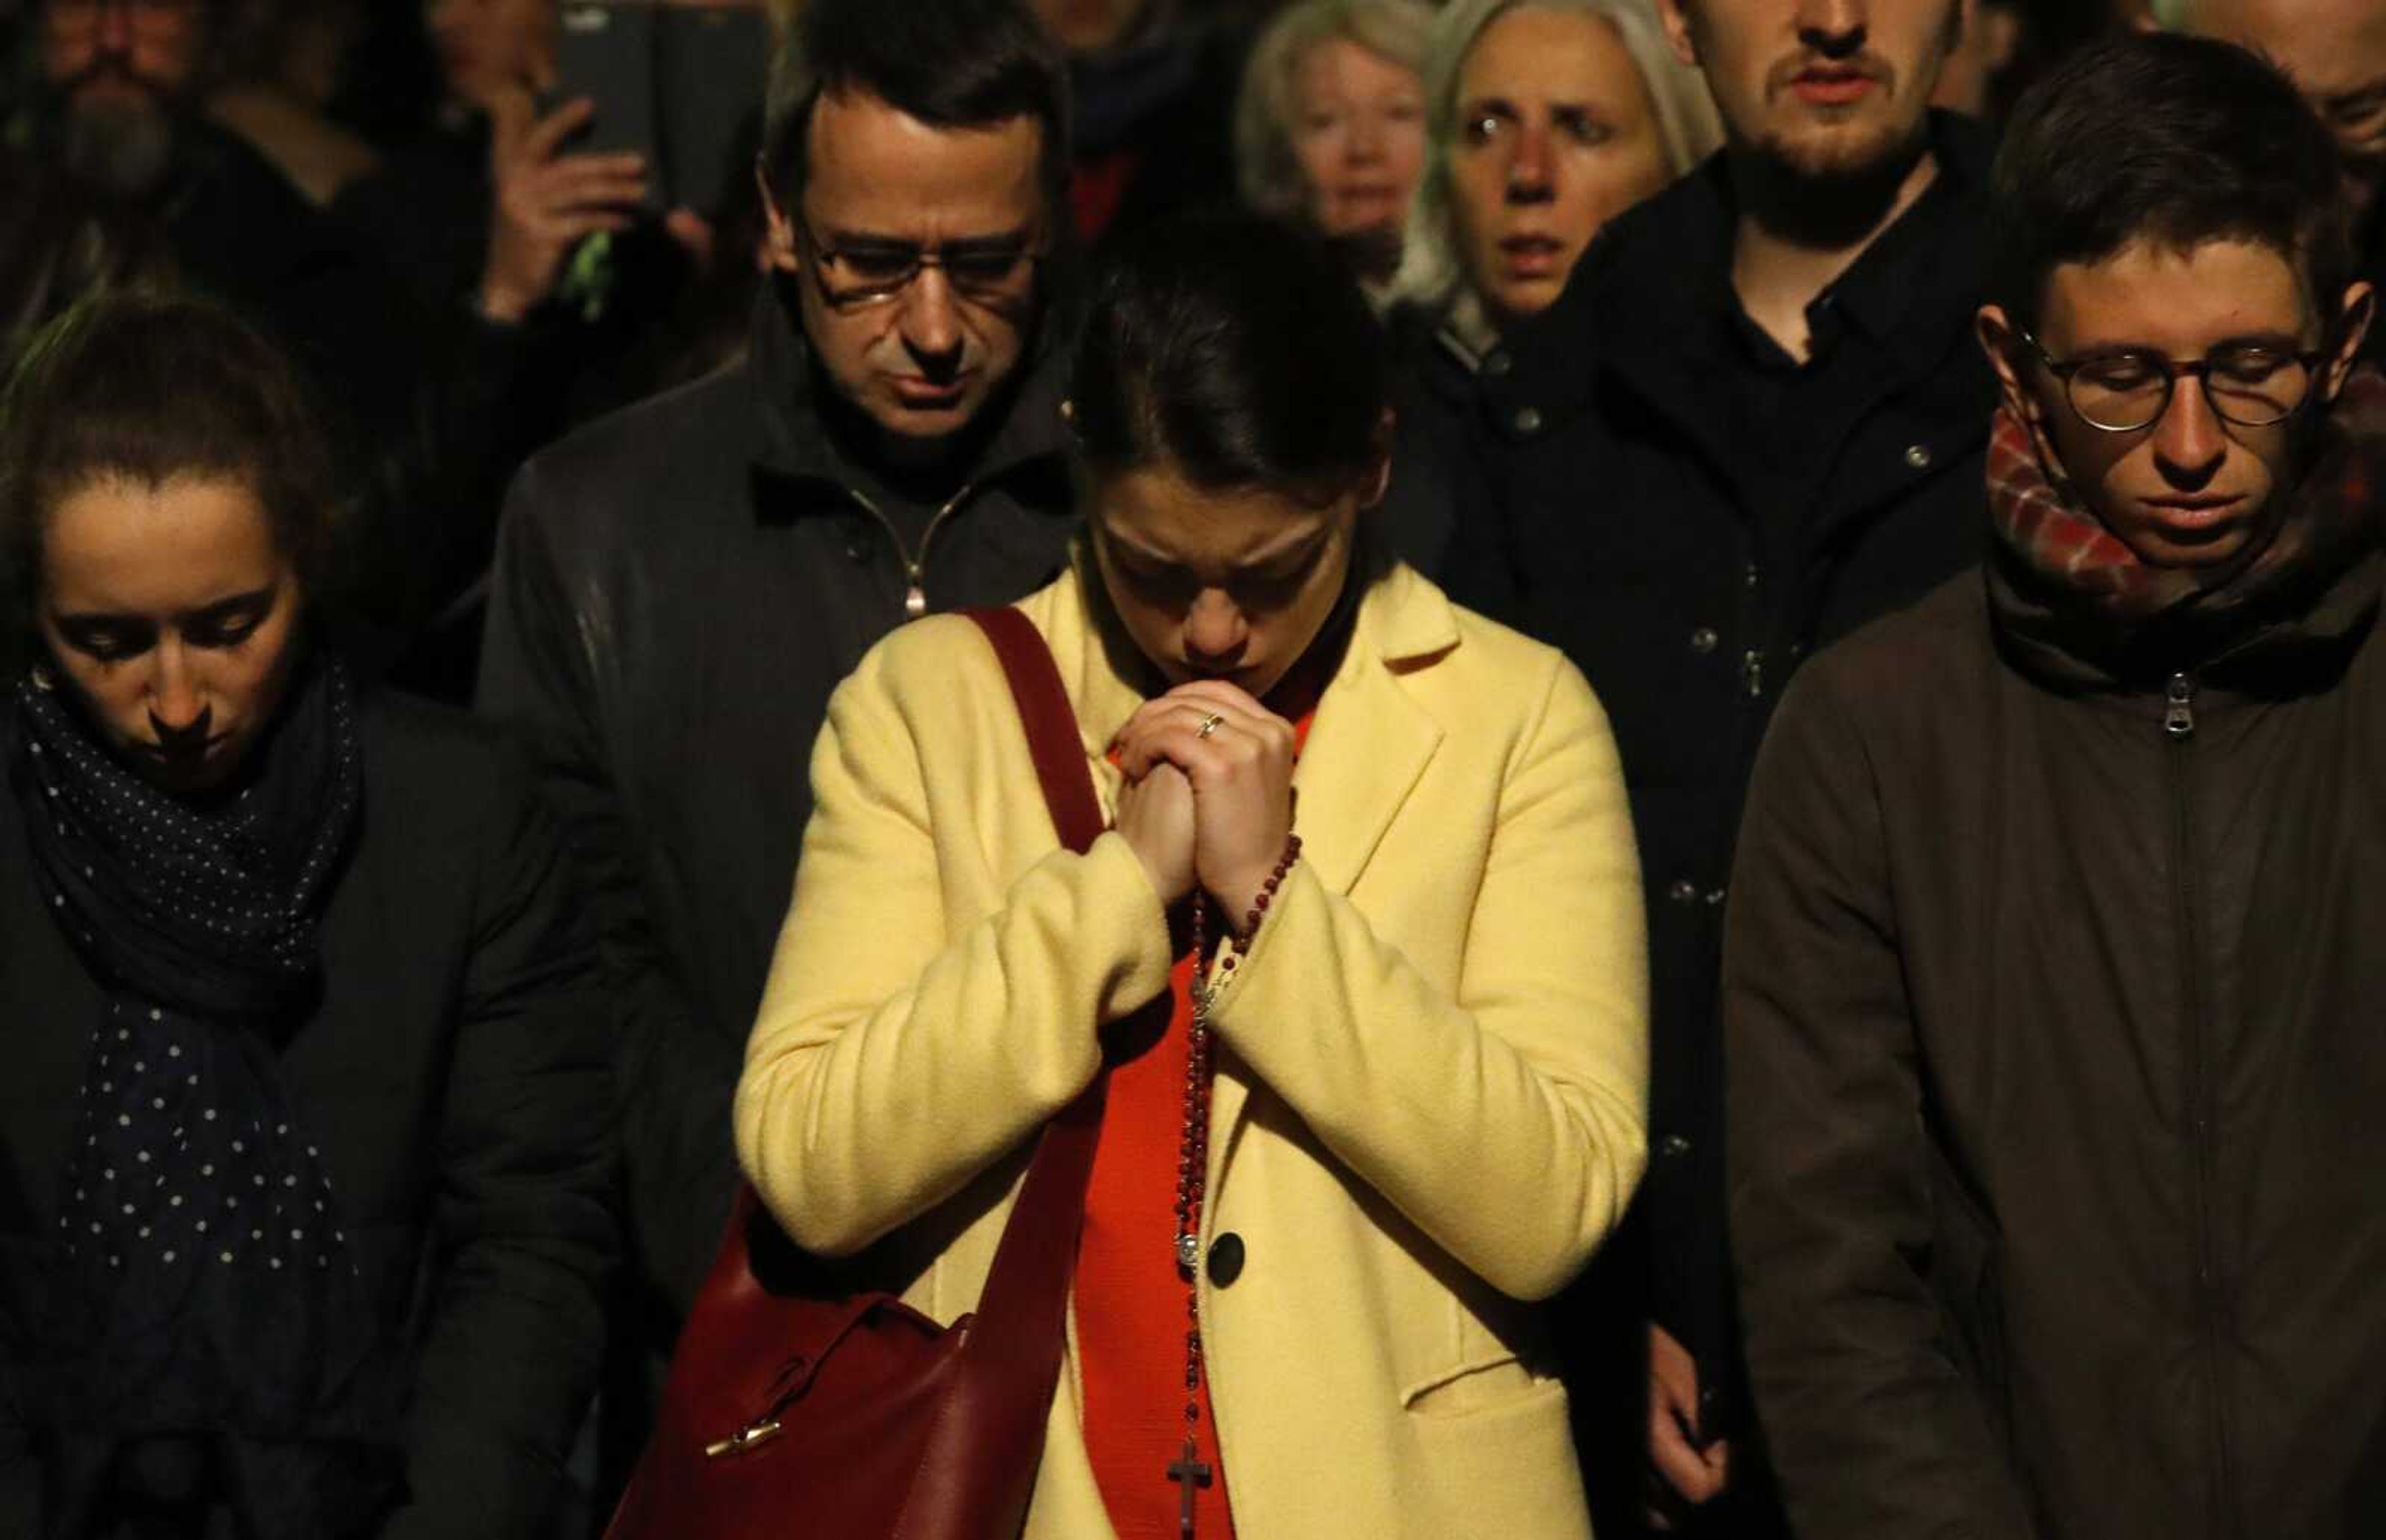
202	1287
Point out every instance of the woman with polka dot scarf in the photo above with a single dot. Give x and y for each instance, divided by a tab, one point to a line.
304	1144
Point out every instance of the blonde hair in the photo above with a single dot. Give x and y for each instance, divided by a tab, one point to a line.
1270	172
1689	130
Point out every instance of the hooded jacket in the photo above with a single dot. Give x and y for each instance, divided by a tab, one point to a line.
678	589
2051	997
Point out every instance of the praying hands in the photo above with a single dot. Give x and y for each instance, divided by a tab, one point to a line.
1208	793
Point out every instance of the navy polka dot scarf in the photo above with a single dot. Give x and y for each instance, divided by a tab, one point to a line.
203	1283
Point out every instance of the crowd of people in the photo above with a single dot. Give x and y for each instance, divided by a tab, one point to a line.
1725	645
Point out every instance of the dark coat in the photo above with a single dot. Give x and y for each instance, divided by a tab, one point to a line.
1437	397
1614	517
679	588
2055	1073
1153	126
456	1080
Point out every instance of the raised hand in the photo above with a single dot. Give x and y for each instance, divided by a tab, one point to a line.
1240	776
543	201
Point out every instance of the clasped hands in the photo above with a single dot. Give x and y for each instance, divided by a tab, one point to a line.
1213	812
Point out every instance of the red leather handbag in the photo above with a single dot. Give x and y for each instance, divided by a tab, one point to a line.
790	1413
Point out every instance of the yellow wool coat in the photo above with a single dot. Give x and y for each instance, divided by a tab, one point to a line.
1431	1091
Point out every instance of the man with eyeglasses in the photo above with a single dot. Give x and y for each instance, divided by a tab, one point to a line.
2053	982
680	587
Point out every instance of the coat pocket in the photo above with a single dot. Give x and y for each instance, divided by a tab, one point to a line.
1495	1456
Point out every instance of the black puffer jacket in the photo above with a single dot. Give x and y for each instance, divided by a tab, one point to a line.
2053	1013
679	587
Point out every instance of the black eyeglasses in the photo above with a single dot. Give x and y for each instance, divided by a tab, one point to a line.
2250	384
866	271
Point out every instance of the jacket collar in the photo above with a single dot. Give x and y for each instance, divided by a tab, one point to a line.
791	441
2295	653
1371	740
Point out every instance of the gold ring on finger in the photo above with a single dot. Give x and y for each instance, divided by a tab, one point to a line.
1210	724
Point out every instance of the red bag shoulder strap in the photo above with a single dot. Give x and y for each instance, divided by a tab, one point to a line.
1052	724
1011	1359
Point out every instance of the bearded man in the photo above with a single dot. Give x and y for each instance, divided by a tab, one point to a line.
1753	423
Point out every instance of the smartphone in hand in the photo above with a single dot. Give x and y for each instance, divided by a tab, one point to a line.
673	80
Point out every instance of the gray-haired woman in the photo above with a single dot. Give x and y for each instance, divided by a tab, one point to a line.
1330	132
1545	119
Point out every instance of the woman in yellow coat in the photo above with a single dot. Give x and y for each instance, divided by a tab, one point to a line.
1415	1101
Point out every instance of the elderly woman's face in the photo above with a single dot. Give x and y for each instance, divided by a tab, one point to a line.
1555	136
173	615
1358	130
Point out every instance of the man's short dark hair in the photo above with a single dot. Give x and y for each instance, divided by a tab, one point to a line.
2174	140
952	64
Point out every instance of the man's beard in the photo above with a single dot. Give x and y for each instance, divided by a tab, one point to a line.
1833	194
1835	185
1823	160
119	148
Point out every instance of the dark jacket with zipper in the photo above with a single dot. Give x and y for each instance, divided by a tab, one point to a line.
679	587
2052	998
1623	512
456	1078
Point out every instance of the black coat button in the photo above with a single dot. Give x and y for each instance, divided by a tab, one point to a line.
1226	1260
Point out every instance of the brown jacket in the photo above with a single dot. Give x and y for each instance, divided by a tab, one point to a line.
2055	1020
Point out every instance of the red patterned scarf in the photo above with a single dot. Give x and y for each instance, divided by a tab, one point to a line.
2332	515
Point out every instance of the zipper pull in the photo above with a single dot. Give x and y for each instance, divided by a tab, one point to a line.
2179	721
1751	673
916	602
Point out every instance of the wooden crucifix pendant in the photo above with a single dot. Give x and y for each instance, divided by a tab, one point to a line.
1190	1475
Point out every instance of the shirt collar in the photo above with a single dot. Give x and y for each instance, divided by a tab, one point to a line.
1902	276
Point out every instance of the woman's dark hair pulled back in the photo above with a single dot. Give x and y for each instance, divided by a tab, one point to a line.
152	387
1237	350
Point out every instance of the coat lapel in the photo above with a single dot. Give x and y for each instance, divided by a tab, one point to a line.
1367	749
